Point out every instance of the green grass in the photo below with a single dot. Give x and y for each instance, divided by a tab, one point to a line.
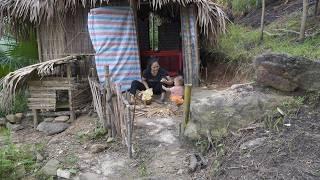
13	158
242	43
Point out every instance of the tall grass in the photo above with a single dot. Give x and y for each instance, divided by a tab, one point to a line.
13	158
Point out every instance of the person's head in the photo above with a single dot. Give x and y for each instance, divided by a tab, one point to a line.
178	81
154	65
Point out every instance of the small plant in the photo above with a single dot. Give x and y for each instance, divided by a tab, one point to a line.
292	105
98	133
273	122
143	170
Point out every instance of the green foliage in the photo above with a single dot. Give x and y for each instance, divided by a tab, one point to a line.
18	54
243	6
20	102
13	157
98	133
239	44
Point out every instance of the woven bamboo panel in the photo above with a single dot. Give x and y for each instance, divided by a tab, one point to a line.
65	35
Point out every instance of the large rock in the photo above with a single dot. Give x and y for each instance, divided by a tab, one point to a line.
287	73
231	109
51	128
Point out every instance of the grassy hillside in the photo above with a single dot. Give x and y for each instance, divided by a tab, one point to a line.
241	43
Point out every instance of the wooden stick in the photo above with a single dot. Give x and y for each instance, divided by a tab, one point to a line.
129	132
109	104
72	113
35	118
187	101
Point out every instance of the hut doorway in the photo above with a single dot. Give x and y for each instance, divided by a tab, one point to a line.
160	36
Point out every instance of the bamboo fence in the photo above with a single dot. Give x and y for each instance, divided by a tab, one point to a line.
115	113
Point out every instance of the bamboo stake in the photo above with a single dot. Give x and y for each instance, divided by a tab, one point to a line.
129	131
107	118
109	104
187	101
72	113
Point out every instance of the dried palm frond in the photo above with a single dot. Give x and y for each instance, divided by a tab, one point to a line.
211	17
17	78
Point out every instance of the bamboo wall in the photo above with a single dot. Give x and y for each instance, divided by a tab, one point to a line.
65	35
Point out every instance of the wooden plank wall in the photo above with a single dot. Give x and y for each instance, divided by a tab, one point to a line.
190	50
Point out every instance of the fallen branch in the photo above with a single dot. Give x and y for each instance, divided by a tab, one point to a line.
288	31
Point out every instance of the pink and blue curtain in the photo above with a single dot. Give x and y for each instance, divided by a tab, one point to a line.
114	37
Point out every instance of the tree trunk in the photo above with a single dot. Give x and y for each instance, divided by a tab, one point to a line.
303	20
316	8
262	19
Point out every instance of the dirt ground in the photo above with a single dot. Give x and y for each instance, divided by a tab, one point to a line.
291	152
158	152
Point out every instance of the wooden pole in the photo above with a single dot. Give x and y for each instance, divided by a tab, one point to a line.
72	113
39	44
187	101
129	131
35	118
262	19
109	103
303	20
316	8
107	119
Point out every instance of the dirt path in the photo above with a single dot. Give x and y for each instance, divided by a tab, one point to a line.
158	153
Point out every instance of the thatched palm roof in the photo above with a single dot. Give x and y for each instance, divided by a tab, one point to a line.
211	18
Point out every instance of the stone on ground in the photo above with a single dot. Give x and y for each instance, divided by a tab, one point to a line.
51	167
96	148
63	173
11	118
19	117
231	109
192	131
287	73
252	143
61	118
14	127
51	128
49	119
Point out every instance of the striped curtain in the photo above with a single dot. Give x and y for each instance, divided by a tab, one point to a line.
113	34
